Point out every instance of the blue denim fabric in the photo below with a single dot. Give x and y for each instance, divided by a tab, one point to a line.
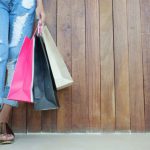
16	22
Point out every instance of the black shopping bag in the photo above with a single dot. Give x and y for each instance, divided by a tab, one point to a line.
44	88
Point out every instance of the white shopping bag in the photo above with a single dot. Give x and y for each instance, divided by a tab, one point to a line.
60	71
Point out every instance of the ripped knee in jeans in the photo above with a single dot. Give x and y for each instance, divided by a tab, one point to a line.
10	71
28	3
17	30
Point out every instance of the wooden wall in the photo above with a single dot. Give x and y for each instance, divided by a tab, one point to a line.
106	46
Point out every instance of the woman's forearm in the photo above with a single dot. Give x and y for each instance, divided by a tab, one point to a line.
39	2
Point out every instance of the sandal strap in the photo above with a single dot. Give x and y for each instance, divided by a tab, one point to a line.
5	129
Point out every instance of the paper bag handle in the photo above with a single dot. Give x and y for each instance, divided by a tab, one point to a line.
37	30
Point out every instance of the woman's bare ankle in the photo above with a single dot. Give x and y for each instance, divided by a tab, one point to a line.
5	113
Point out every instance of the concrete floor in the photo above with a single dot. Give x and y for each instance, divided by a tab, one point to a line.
79	141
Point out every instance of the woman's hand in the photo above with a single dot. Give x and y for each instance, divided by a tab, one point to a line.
40	13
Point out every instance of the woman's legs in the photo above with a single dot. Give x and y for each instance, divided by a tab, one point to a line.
5	113
4	117
18	16
4	26
21	20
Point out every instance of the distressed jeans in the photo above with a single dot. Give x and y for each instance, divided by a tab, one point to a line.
16	22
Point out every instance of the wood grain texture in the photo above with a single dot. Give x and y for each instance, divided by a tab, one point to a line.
121	65
49	118
33	119
146	67
80	116
64	44
107	66
135	66
145	33
106	47
19	117
93	63
145	17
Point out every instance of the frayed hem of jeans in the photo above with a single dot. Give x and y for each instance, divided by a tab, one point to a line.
6	101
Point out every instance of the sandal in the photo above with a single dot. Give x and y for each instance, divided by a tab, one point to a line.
4	130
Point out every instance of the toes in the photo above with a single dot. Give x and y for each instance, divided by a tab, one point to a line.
3	137
6	137
10	137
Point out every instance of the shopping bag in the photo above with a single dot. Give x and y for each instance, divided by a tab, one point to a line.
60	71
22	82
44	88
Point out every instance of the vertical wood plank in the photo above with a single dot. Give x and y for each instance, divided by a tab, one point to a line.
145	21
135	66
80	116
145	17
107	66
33	119
49	117
19	117
64	45
146	67
93	62
121	65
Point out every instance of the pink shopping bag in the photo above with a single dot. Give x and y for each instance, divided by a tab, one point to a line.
22	82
